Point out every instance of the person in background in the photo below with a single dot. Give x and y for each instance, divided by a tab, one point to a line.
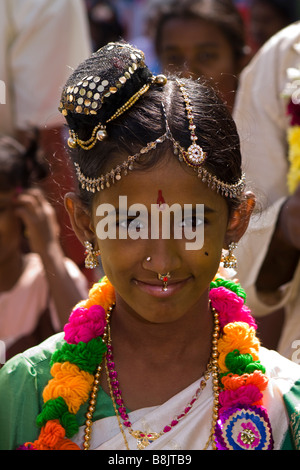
267	17
267	115
200	38
40	42
38	285
104	23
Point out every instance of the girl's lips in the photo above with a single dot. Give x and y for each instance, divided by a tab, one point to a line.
156	290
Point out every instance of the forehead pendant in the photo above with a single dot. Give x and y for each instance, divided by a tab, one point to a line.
194	156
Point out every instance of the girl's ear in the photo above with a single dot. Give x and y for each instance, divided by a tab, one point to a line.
239	219
79	218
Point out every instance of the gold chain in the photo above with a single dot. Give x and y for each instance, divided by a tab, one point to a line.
212	369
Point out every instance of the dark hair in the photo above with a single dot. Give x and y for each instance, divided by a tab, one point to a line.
144	122
287	10
104	22
222	13
20	167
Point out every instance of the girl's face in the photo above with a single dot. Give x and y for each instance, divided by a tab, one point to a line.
198	48
133	265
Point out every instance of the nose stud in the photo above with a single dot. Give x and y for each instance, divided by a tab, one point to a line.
164	278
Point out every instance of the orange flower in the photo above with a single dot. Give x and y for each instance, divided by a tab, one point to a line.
234	381
237	335
69	382
52	437
101	293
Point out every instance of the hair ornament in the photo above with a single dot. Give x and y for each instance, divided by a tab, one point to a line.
89	95
108	84
194	157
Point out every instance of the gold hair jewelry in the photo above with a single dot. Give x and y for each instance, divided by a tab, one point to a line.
164	278
88	95
194	156
230	261
91	260
99	132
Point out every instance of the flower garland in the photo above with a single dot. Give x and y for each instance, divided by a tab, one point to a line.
293	136
73	368
243	422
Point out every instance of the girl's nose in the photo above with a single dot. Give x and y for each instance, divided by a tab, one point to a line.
164	258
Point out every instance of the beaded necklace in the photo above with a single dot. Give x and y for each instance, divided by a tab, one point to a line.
145	438
239	420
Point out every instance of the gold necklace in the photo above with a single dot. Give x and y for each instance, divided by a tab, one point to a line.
212	370
95	388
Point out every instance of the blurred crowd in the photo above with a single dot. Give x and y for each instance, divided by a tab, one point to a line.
243	47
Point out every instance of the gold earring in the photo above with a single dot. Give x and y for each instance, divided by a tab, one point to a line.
230	261
91	260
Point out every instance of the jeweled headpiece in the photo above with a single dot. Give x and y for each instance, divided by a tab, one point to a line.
122	79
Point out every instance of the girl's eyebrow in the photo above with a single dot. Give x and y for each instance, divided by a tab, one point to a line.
207	210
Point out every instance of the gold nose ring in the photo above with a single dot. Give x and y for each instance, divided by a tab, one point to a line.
164	278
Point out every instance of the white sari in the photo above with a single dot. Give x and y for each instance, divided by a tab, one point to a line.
192	432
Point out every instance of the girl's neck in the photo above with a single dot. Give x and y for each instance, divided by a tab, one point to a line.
10	271
191	332
144	351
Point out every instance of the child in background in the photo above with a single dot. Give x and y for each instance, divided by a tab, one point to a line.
38	285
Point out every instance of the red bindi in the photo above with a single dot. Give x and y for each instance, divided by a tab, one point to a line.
160	199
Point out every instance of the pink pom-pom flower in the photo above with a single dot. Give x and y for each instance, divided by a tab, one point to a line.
230	307
85	324
245	395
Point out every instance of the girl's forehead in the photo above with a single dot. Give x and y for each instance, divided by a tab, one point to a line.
168	181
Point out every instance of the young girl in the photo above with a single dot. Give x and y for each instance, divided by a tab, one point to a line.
37	283
201	38
163	354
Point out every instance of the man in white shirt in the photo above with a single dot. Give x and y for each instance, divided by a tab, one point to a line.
269	254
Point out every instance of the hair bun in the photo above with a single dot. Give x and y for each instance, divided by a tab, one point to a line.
103	83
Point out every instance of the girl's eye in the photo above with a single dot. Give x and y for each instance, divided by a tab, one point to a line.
132	224
192	222
207	56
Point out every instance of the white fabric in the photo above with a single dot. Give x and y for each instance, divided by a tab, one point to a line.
260	114
21	307
41	41
193	430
